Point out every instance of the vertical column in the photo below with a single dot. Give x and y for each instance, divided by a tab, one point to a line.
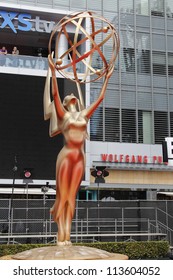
151	194
62	48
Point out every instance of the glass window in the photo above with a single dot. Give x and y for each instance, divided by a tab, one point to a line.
157	8
112	126
96	123
142	53
144	96
142	7
128	126
78	4
145	127
129	59
110	5
30	2
159	63
171	123
81	195
44	3
160	99
169	8
127	54
93	5
170	64
112	16
143	61
160	126
127	37
60	3
126	6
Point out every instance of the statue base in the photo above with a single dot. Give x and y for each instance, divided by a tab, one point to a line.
68	253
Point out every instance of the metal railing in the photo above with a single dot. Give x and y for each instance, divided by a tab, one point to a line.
24	61
106	223
167	226
109	230
31	62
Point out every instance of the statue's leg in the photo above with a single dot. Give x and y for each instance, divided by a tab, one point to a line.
61	228
60	206
76	178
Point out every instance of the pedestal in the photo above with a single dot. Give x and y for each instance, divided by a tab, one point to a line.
68	253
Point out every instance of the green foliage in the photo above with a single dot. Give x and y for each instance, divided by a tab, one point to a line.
134	250
16	248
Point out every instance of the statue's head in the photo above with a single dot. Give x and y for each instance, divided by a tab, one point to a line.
70	100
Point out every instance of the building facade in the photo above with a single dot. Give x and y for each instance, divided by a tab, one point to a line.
127	130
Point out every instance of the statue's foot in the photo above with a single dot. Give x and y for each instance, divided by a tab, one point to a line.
61	243
64	243
68	243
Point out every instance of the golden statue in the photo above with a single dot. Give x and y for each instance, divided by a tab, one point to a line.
70	117
65	118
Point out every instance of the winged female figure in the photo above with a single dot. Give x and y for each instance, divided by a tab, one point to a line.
70	118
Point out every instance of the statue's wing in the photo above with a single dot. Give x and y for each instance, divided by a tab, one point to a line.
49	108
53	127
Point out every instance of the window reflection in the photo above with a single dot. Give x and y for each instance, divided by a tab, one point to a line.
159	63
142	53
169	8
145	133
160	126
96	123
110	5
128	126
129	59
142	60
126	6
157	8
170	64
142	7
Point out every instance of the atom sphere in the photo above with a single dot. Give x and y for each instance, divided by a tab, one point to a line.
86	46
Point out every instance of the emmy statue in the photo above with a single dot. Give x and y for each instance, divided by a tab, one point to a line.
70	117
89	38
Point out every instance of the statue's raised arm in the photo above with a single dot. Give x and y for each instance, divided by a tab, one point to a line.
88	112
55	92
52	112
